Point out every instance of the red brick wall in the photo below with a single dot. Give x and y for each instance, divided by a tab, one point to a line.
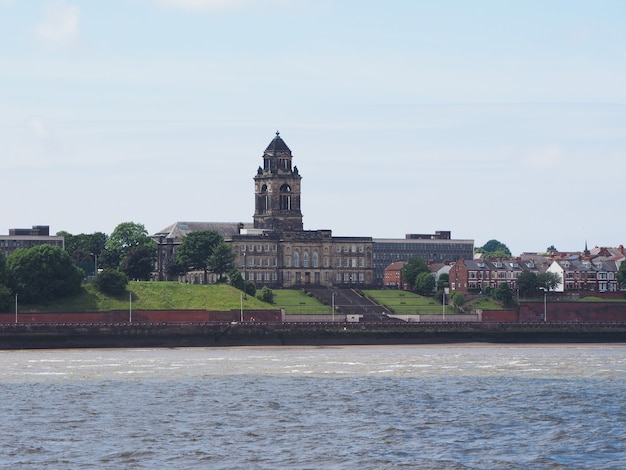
508	316
574	311
142	316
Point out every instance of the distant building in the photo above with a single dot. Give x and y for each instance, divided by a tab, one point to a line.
436	248
28	238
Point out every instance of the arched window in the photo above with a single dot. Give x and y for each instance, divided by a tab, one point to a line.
296	259
315	259
305	259
265	200
285	197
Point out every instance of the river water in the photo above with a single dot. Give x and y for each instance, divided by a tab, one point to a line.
436	407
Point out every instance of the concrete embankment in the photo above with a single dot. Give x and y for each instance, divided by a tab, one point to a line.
125	335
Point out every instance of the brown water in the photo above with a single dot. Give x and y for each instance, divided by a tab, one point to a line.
461	406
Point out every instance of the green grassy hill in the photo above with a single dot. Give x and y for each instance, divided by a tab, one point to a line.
176	295
154	296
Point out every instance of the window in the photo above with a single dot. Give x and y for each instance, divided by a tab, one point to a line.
305	259
296	259
315	259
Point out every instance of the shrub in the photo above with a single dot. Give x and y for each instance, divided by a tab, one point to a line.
111	282
266	295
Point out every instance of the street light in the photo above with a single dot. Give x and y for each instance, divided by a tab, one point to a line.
95	264
545	304
15	308
245	280
332	296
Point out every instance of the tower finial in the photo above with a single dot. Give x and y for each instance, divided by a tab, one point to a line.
277	134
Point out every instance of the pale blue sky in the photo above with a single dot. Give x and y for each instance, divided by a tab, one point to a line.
492	119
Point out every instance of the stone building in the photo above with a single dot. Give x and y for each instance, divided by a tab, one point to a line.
275	250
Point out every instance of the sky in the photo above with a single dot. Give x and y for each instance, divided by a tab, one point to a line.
490	119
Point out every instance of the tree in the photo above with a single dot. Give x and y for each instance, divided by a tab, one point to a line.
527	282
42	273
457	299
126	236
425	283
504	294
85	249
412	268
621	274
250	288
443	281
6	295
139	263
266	295
494	249
111	282
236	280
548	280
221	260
195	250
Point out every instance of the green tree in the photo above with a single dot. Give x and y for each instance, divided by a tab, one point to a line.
221	260
126	236
236	280
443	281
196	249
527	282
412	268
621	274
250	288
85	249
43	273
548	280
139	263
503	294
6	295
425	283
111	282
457	299
266	295
494	249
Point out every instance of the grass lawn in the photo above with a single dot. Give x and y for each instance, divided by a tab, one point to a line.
297	302
483	302
154	296
405	303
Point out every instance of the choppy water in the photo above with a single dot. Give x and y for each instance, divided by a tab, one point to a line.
446	407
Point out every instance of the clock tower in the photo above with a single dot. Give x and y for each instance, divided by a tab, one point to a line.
277	190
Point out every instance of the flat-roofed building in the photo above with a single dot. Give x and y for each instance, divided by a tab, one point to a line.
28	238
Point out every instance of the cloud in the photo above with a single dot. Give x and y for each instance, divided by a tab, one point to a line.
59	24
203	4
544	158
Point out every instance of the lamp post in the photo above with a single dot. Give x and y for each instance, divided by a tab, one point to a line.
332	296
130	307
545	304
245	277
15	308
95	264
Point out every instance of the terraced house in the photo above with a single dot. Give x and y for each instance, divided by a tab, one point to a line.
475	275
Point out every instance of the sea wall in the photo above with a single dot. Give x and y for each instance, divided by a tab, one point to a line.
141	316
572	311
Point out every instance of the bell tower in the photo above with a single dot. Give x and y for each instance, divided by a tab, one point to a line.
277	190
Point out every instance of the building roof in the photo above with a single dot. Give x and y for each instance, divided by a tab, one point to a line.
277	146
396	266
179	230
